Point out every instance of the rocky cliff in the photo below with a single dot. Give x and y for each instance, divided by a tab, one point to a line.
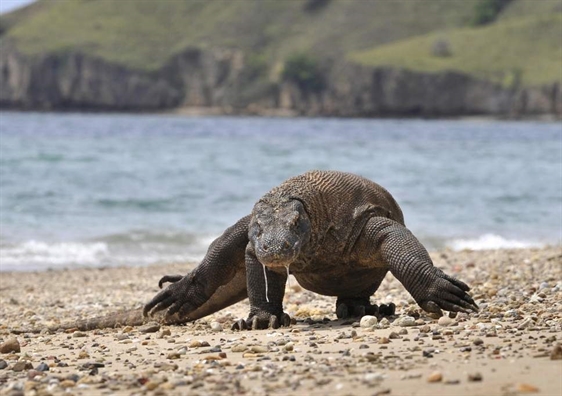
223	80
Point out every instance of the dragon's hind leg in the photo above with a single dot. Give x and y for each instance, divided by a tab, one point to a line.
360	305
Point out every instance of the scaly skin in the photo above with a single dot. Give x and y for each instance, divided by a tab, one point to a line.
338	233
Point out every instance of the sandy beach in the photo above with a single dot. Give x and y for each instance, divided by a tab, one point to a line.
512	346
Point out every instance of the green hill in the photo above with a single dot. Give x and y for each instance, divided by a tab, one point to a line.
145	34
525	51
522	45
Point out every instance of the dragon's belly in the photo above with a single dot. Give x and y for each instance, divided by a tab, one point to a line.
342	281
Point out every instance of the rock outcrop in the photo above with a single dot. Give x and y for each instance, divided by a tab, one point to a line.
222	79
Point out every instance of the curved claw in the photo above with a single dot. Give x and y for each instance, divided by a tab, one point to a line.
169	278
158	302
446	293
355	307
262	322
240	324
387	309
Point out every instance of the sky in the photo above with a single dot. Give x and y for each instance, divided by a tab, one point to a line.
9	5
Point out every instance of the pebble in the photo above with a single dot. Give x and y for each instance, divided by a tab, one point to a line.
10	345
384	323
216	326
436	376
149	328
22	365
67	384
475	377
527	322
258	349
477	341
445	321
406	321
3	364
556	353
42	367
527	388
368	321
239	348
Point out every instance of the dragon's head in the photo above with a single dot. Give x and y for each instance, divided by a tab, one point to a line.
279	232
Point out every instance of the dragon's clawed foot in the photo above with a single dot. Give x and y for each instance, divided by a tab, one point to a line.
262	321
359	307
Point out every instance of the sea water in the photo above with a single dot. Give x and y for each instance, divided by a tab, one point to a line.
114	189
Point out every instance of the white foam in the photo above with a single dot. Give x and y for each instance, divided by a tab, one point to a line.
490	241
38	254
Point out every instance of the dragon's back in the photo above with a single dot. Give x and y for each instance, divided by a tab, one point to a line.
338	204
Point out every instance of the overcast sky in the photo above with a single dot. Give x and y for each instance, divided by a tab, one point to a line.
9	5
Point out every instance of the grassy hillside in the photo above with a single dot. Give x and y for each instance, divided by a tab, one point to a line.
145	33
522	46
525	51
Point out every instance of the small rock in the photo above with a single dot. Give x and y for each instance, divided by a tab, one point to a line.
368	321
535	298
173	355
216	326
150	328
428	352
556	353
436	376
78	334
165	333
240	348
258	349
527	388
42	367
445	321
67	384
195	344
10	345
477	341
373	377
384	340
475	377
384	323
406	321
527	322
425	329
150	385
22	365
3	364
289	347
31	374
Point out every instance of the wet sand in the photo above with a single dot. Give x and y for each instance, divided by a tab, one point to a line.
510	347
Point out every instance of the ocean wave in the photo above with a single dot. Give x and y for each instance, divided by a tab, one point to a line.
127	249
491	241
37	254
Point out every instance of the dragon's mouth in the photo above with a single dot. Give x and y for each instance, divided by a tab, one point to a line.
282	256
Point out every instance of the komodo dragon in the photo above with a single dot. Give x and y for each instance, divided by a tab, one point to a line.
337	233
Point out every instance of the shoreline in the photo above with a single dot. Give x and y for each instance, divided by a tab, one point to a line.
215	111
504	349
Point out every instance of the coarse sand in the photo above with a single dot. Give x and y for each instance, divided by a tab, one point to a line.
512	346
